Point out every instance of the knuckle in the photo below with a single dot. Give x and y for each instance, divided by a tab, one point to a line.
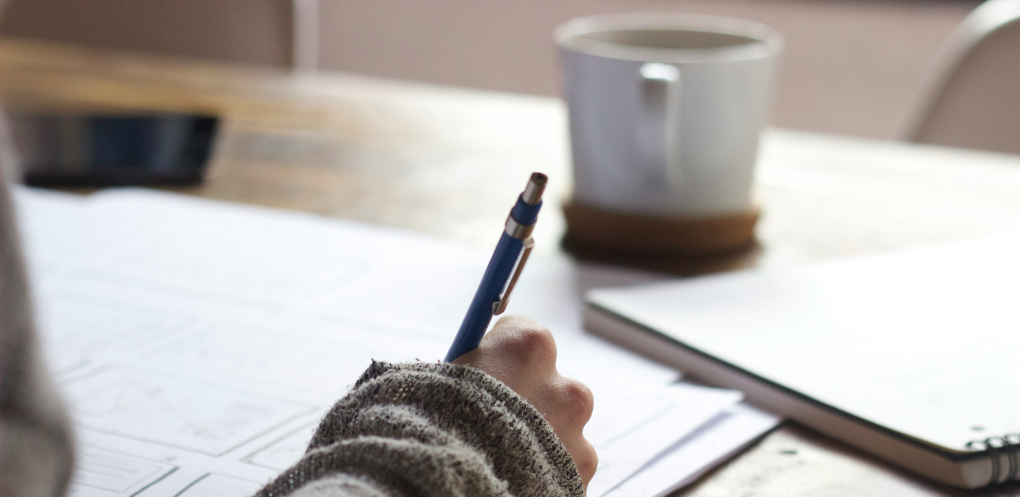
577	399
533	345
587	461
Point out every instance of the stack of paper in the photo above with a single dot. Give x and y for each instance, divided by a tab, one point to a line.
198	343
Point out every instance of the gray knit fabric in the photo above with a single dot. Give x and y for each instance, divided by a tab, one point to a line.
35	438
431	429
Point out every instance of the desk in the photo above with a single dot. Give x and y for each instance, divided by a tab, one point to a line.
444	161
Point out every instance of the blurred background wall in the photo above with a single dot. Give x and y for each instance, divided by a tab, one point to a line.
245	31
850	66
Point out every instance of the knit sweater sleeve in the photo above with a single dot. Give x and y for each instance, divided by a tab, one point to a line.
431	429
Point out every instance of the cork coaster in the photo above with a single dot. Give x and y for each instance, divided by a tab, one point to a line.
680	245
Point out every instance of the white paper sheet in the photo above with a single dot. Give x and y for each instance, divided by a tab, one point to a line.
698	452
103	472
634	428
199	342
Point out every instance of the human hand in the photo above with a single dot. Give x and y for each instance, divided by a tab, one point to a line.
522	354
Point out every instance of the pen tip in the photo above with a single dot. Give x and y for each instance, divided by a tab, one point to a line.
533	192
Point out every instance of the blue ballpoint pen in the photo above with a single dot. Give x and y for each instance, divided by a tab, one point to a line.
494	291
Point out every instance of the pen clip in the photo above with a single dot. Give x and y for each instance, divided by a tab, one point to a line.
500	305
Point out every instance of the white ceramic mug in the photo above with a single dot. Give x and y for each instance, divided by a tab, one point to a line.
666	110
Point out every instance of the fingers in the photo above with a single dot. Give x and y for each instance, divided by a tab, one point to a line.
574	405
585	458
569	402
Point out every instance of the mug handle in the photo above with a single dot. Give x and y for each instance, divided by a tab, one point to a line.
658	124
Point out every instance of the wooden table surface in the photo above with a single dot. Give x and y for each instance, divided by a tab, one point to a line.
447	161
